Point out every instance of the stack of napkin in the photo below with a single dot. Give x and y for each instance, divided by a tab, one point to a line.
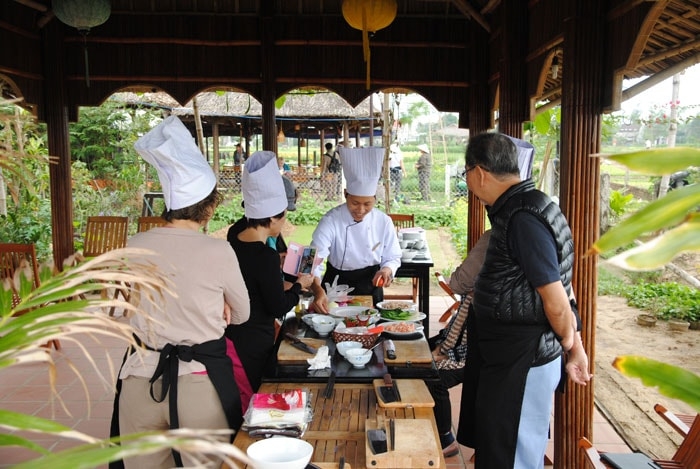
285	413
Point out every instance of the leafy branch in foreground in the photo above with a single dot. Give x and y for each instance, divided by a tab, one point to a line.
676	212
68	306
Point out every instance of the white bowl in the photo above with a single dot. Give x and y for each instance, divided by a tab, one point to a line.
407	256
280	452
323	324
343	347
412	236
358	357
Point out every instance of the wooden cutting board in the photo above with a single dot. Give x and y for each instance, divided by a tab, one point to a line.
414	393
416	445
414	351
289	355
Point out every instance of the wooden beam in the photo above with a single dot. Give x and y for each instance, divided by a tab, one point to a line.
657	78
670	52
465	7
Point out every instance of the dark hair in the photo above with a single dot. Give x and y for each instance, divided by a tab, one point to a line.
494	152
263	222
199	212
329	145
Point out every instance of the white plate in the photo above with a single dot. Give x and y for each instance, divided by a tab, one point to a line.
405	305
412	318
418	328
342	312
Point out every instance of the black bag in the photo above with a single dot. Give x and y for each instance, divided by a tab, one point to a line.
334	165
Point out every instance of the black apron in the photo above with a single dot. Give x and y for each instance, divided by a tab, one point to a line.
212	355
360	279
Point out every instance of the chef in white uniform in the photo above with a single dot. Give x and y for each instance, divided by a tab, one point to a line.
358	241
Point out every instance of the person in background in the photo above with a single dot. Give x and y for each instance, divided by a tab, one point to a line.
396	170
284	167
358	241
449	346
523	320
331	171
424	166
265	204
238	155
211	294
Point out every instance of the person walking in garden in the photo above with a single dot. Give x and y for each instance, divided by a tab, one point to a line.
523	319
424	166
396	170
331	172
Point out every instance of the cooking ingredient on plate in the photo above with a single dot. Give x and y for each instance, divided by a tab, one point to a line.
396	314
400	327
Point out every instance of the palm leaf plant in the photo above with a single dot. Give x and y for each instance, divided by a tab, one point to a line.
677	214
69	306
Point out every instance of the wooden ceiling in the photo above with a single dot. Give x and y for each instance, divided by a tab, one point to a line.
436	48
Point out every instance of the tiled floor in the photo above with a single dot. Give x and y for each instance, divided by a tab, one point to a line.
26	389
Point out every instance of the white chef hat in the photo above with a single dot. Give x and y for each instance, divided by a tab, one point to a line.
184	174
526	156
263	189
362	168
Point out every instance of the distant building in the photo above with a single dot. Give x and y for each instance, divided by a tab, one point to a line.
628	134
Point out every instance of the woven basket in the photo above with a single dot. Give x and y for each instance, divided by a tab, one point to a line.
367	340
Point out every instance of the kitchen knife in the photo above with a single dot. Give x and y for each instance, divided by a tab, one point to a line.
377	441
328	392
390	349
389	392
298	343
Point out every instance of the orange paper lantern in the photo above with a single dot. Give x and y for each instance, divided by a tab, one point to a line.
369	16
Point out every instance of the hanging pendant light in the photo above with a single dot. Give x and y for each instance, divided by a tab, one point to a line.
369	16
82	15
280	135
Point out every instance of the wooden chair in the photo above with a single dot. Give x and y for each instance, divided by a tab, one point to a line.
686	457
679	422
14	256
455	306
104	234
146	223
401	220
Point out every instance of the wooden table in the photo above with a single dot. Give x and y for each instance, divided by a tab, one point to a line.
338	425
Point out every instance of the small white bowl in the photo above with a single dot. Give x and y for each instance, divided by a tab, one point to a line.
358	357
323	324
280	452
407	256
343	347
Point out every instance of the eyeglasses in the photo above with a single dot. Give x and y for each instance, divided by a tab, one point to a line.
469	169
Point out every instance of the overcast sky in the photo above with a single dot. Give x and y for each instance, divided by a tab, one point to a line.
688	93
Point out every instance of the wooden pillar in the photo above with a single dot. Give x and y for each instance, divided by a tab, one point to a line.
56	117
268	93
478	121
584	38
514	106
215	145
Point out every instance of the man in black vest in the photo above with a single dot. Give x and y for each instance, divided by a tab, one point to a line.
523	324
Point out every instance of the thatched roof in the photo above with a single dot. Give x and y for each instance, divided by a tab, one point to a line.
320	109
